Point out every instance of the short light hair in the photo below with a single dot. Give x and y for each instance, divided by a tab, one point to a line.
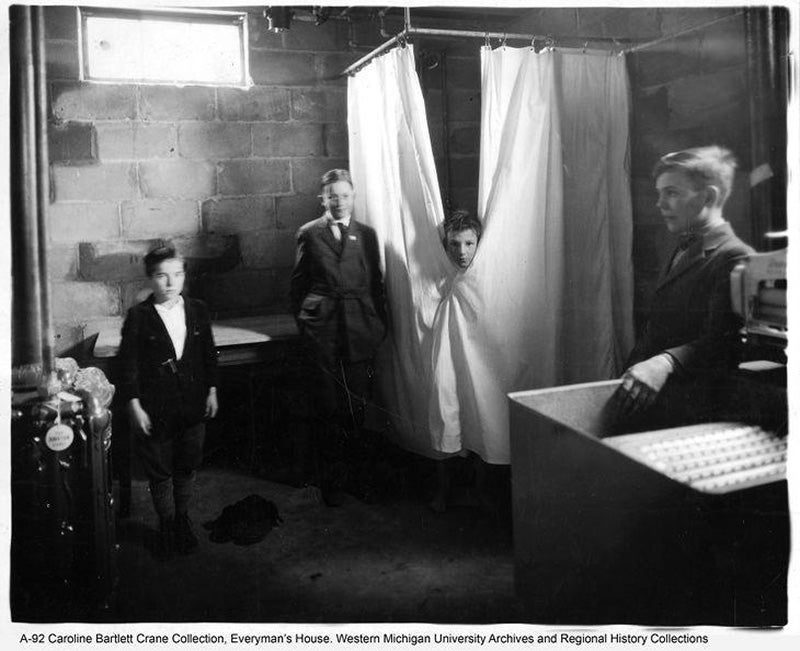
461	220
703	166
334	176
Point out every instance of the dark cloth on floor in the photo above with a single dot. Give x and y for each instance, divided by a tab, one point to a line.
246	522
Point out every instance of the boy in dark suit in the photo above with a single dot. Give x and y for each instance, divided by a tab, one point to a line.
337	298
169	377
691	328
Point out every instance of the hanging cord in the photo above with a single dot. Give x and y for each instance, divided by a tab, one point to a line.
669	37
340	379
347	391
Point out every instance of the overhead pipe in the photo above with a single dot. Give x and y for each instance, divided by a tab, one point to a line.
675	35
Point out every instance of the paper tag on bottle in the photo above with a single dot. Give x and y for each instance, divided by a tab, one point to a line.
59	437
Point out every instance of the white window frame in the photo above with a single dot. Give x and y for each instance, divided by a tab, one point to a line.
237	18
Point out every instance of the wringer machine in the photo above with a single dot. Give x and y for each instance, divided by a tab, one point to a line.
63	545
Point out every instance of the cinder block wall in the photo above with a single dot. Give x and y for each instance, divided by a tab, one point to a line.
228	174
450	76
686	91
689	91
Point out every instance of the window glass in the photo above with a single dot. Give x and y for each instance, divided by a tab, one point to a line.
206	48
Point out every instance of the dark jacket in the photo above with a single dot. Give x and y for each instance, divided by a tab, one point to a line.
167	388
690	316
337	291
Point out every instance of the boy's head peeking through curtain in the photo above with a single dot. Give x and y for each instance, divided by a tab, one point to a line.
462	232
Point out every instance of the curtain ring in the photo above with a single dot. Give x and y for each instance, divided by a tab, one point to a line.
503	44
585	45
486	42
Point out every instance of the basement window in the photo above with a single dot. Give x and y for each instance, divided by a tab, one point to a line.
164	46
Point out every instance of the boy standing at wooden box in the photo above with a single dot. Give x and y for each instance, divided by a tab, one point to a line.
691	330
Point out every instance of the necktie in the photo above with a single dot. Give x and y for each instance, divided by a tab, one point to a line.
685	240
341	232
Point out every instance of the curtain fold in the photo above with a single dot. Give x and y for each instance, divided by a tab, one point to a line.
497	329
598	324
397	193
547	299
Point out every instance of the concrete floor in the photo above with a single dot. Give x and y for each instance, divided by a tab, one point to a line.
396	561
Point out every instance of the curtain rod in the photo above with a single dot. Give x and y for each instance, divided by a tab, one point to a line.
355	67
408	30
503	36
457	33
669	37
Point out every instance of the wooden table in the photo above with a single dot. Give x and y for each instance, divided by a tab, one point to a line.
238	341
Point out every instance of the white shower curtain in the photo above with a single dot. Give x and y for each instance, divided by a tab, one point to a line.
598	323
397	193
461	340
497	329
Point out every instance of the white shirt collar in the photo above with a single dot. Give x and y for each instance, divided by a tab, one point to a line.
174	319
345	221
161	307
